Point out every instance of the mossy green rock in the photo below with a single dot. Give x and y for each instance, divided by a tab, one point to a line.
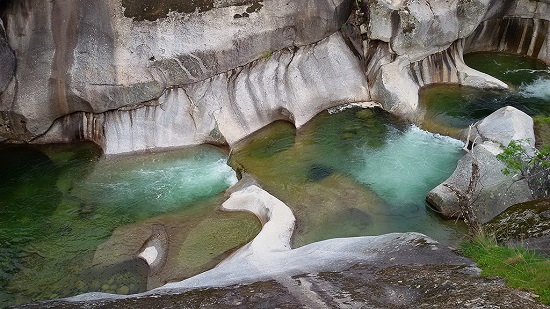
522	221
123	290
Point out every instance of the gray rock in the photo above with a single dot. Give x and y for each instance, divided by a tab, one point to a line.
79	57
396	83
361	286
7	60
494	35
418	29
292	84
418	43
494	193
506	124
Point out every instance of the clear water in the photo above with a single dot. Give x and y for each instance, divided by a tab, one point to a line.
452	107
352	173
64	212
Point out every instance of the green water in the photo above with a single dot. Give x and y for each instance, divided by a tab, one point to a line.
71	222
451	107
353	173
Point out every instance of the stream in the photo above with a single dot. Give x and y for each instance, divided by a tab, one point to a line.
73	221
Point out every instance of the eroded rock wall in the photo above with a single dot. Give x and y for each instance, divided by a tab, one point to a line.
134	75
7	60
75	56
523	36
292	84
418	43
410	44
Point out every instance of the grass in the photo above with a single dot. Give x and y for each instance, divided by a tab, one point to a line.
520	268
542	131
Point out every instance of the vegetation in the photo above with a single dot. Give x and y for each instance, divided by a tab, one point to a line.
542	131
532	165
520	268
519	160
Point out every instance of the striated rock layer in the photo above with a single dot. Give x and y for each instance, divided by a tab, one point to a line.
133	75
410	44
292	84
75	57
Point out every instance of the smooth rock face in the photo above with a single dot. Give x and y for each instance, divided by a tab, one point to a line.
277	220
77	56
506	124
133	75
292	84
7	60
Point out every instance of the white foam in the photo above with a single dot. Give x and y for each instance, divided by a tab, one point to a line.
532	71
540	88
446	139
408	165
343	107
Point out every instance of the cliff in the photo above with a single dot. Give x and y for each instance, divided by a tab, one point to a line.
131	75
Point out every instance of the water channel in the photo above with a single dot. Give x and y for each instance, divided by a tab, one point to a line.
72	221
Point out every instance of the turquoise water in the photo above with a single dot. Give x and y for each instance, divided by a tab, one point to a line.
353	173
58	203
346	173
453	106
409	164
144	186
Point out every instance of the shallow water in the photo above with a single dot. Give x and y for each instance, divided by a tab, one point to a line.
353	173
451	107
63	210
66	211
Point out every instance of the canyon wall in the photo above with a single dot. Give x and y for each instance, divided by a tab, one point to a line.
410	44
99	71
132	75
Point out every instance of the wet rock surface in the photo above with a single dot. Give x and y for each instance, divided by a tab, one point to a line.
361	286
